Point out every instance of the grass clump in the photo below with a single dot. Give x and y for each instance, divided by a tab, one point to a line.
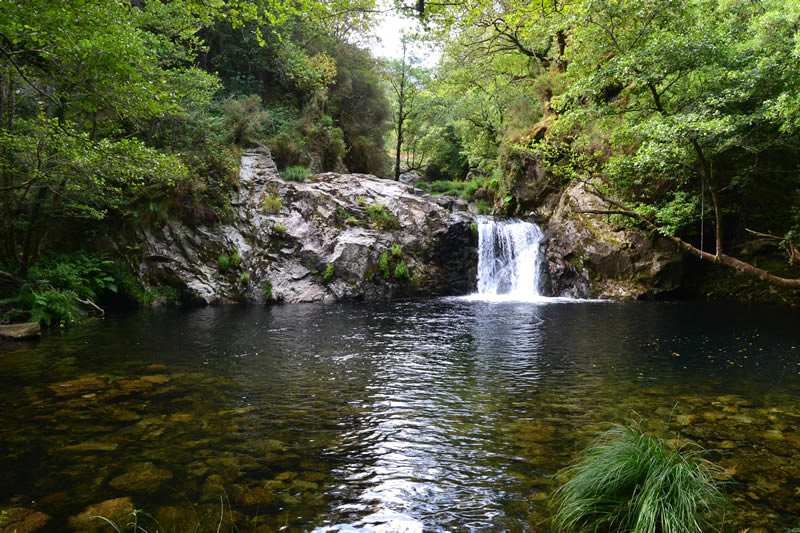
382	217
223	262
279	228
272	204
295	173
236	259
383	263
628	481
244	278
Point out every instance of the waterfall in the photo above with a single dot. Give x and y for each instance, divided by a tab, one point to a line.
509	260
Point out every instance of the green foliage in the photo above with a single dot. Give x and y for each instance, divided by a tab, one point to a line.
266	289
244	278
272	204
383	263
223	262
484	208
244	119
627	480
401	271
236	259
279	228
381	217
396	250
473	227
327	274
295	173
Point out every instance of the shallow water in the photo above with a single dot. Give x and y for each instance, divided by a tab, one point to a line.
438	415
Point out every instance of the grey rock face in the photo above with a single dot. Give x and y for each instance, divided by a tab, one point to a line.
589	256
287	233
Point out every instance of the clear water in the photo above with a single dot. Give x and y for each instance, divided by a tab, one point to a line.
438	415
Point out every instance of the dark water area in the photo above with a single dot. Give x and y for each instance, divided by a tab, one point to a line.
438	415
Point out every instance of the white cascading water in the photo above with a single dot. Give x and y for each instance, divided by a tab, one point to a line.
508	260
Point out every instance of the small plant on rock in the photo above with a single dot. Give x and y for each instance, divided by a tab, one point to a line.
272	204
244	278
295	173
279	228
327	275
382	217
236	259
401	271
223	262
397	251
627	480
383	263
266	289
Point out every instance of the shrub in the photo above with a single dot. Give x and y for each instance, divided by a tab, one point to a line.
382	217
236	259
627	480
327	275
223	262
295	173
244	278
396	250
484	208
272	204
266	289
279	228
401	271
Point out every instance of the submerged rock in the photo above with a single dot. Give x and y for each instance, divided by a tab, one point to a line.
321	240
141	477
117	510
21	520
27	330
77	386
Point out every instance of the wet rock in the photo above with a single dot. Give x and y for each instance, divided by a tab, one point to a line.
77	386
21	520
27	330
323	221
117	510
255	496
141	477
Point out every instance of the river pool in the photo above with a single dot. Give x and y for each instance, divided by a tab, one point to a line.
430	415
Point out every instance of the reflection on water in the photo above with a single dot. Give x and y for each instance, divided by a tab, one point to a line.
414	416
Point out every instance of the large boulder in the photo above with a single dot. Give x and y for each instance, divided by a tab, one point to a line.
321	240
589	256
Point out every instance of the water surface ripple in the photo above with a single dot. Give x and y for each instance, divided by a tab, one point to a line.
439	415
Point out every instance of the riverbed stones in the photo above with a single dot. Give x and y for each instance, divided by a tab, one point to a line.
77	386
117	510
141	477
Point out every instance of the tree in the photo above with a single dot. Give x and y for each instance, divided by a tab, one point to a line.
403	78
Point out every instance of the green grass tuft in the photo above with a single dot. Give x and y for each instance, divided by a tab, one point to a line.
382	217
627	480
223	262
272	204
295	173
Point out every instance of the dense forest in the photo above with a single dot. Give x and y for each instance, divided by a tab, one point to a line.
683	117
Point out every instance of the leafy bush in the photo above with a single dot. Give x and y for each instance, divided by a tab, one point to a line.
223	262
627	480
295	173
236	259
382	217
61	304
484	208
272	204
401	271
